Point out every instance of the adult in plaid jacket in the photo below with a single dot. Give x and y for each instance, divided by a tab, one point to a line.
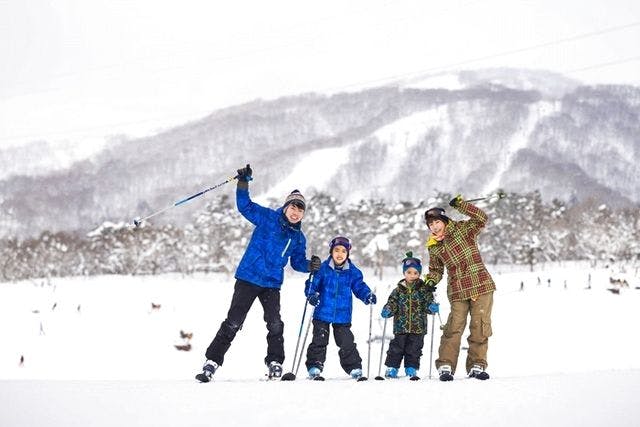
453	245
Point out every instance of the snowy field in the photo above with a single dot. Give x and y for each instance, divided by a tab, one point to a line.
95	353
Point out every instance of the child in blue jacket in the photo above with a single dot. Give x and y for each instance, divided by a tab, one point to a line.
330	291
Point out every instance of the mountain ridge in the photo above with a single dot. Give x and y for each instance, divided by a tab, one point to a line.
391	143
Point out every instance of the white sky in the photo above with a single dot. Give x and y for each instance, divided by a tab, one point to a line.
81	70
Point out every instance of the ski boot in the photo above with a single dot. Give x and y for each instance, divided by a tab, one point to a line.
275	370
391	372
356	374
208	370
315	374
445	373
478	372
412	373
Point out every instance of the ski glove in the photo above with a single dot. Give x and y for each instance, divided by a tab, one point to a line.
455	202
431	286
434	308
314	299
245	173
371	299
386	312
314	264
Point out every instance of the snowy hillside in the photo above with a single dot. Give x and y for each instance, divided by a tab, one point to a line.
96	352
517	131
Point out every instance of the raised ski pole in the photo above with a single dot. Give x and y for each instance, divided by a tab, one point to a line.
384	330
499	194
290	376
138	221
433	324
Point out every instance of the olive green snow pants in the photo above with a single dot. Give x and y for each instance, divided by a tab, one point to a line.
479	332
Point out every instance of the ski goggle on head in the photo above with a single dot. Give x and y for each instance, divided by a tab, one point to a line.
434	214
340	241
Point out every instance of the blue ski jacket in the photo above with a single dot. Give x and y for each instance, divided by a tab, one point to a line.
335	287
273	243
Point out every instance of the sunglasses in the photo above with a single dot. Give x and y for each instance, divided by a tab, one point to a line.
341	241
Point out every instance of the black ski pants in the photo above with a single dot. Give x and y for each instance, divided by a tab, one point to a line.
348	352
407	346
243	296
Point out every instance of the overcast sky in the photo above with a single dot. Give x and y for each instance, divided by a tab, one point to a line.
82	70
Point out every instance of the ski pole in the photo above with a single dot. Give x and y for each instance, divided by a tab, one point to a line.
288	377
433	324
384	331
370	327
138	221
499	194
304	341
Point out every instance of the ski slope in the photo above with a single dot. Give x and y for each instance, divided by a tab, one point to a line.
96	353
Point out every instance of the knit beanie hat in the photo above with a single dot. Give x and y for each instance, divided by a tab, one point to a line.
296	199
411	262
434	214
340	241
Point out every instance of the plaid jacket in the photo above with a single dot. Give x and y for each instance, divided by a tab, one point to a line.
408	303
467	275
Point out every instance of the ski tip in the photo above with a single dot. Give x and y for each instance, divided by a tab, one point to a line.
289	376
202	378
362	379
318	378
414	378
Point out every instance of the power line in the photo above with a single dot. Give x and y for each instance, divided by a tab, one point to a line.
604	64
493	56
393	78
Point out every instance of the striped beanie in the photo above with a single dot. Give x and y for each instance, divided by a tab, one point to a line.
296	199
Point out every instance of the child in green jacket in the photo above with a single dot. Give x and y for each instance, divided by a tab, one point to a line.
409	304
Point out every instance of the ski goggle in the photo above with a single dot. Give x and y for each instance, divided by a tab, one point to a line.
340	241
433	213
411	262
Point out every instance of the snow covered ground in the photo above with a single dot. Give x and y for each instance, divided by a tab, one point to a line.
96	353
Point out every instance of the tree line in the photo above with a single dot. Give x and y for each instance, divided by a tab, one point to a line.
522	229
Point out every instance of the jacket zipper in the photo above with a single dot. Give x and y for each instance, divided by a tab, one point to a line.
335	295
410	305
285	248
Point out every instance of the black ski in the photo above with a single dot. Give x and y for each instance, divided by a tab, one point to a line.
203	378
289	376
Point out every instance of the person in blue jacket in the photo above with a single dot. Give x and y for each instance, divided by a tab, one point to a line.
329	290
276	240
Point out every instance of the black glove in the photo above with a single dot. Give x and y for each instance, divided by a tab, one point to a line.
455	202
245	173
431	286
314	299
371	299
314	264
